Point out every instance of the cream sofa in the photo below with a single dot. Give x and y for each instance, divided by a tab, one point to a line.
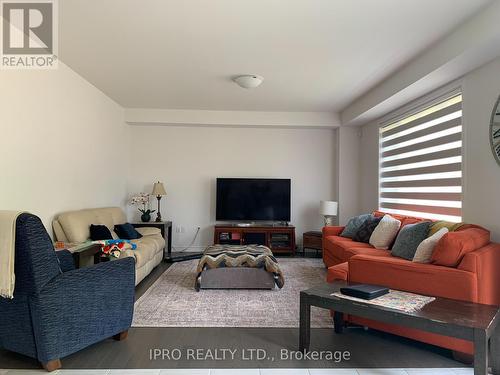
73	226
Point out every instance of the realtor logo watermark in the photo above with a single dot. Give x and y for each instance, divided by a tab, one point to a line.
29	34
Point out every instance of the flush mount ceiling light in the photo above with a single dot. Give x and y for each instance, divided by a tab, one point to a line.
248	81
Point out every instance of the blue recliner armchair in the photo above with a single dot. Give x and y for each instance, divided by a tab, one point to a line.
58	310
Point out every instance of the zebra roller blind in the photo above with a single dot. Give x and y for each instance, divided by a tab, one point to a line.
421	163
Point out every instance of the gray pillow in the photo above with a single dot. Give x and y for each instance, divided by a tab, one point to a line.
409	237
354	224
366	230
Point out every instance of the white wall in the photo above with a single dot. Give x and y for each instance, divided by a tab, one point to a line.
188	159
348	173
481	205
481	89
475	42
368	179
204	118
62	143
64	146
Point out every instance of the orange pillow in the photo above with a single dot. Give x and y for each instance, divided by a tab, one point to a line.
452	247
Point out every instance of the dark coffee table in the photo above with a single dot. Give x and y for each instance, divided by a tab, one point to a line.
464	320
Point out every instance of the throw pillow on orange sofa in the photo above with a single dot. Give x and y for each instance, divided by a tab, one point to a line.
452	247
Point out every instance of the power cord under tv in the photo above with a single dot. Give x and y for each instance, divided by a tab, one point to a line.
190	244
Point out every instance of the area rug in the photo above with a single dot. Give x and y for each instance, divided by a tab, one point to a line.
173	302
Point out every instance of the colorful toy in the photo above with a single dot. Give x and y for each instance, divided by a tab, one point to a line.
113	248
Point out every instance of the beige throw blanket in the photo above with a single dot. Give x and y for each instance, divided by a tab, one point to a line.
7	252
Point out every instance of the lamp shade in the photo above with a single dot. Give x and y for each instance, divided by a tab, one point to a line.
158	189
328	208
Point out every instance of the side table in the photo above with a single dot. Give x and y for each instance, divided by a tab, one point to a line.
166	231
312	240
85	254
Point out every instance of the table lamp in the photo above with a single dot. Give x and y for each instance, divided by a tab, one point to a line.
328	209
159	191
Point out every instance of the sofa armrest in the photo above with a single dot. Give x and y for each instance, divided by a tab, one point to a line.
128	253
83	306
338	272
426	279
485	264
148	231
332	231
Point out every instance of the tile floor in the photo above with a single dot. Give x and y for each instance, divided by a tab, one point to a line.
453	371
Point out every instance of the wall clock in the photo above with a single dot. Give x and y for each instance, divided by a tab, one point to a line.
495	131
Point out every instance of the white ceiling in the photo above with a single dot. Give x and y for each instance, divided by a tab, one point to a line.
315	55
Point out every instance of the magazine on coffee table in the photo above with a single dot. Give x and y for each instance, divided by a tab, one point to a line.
395	299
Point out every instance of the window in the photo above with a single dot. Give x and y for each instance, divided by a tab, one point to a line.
420	171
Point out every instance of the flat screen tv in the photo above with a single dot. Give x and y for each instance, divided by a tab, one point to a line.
253	199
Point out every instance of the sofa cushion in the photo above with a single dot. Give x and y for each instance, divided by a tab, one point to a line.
158	239
452	247
409	237
340	239
350	252
75	225
338	245
427	246
147	248
344	248
366	229
427	279
145	251
386	231
353	225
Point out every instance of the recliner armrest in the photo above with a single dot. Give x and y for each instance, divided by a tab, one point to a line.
66	261
95	282
83	306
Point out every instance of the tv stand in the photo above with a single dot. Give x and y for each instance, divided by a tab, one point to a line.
279	238
244	224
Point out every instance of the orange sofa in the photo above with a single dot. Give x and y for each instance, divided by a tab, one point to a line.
471	273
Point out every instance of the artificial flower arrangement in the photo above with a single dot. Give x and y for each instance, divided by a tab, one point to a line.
142	198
